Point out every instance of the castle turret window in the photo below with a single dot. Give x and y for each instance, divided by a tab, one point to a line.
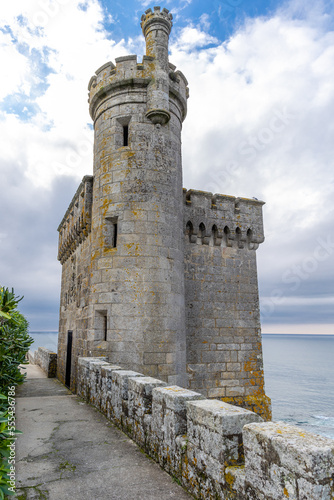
122	129
105	318
125	135
101	325
110	232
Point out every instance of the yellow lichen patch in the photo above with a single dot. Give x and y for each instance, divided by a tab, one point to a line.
229	479
250	365
258	403
105	206
286	493
134	249
109	251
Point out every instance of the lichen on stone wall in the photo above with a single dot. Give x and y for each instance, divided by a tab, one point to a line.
214	449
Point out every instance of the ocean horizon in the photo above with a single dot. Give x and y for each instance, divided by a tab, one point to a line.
298	372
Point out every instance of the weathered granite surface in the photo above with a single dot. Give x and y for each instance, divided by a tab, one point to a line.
214	449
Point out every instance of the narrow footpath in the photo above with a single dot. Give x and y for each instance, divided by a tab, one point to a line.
68	450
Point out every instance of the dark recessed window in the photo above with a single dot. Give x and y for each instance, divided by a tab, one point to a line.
110	232
114	239
101	325
105	327
125	135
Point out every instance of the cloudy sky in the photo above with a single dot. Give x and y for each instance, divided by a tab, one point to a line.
260	124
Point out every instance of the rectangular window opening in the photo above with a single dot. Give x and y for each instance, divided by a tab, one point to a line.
101	325
125	135
111	232
115	236
105	327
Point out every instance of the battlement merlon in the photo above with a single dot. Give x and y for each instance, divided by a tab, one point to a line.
227	220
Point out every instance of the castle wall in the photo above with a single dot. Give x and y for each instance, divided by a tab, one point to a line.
214	449
159	281
75	255
224	351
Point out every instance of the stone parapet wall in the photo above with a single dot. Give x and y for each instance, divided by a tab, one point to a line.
225	220
111	79
215	450
76	223
45	359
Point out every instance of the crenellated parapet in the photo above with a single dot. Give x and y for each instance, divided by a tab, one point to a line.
111	80
76	223
221	220
150	20
155	75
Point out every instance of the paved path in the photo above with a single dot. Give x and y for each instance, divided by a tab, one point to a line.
69	450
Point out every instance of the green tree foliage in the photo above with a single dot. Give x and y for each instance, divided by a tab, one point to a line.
14	340
14	344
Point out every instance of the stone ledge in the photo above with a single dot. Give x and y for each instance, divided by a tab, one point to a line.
205	444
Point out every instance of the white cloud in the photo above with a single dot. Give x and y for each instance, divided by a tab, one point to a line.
260	120
14	67
72	44
193	38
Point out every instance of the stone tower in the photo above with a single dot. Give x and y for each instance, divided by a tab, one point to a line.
136	303
158	279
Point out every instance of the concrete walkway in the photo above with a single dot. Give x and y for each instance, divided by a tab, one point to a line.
69	450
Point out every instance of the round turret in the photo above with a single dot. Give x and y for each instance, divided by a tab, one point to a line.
137	216
165	90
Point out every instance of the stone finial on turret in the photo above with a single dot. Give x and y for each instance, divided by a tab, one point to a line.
156	28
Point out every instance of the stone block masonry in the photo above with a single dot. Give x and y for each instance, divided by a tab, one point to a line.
156	278
224	355
214	449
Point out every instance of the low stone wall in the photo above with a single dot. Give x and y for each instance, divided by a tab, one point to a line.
31	357
215	450
45	359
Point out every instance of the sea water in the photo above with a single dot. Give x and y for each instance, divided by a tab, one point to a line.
49	340
299	377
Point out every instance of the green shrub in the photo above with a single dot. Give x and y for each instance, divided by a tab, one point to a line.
14	344
14	340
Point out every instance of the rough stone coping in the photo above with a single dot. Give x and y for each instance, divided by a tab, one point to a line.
175	397
296	449
131	57
121	378
208	199
220	417
144	385
104	66
87	361
45	350
106	370
97	365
